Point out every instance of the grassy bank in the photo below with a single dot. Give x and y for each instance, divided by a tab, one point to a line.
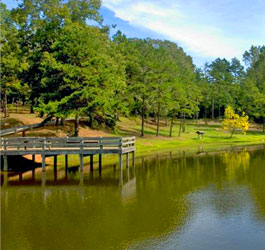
214	136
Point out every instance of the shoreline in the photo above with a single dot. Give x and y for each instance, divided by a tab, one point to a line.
108	160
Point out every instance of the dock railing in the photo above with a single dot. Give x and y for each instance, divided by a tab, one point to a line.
52	145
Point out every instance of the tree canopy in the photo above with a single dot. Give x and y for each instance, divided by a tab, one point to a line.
53	58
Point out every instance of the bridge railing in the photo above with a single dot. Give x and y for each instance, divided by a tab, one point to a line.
75	143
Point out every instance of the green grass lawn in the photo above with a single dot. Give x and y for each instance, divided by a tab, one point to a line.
214	138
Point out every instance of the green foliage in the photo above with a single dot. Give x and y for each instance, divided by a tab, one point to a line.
65	67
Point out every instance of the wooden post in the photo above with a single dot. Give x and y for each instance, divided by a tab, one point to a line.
120	160
66	163
81	162
5	163
20	176
43	179
100	156
5	181
133	158
91	163
100	162
55	163
121	177
43	163
127	160
33	158
33	173
81	183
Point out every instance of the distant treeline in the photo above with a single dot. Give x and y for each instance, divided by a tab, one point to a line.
54	60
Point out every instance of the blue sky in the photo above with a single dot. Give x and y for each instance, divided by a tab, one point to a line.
206	29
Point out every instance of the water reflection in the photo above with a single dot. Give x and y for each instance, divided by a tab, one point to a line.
169	201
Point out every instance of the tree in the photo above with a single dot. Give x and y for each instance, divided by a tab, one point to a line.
234	121
220	78
39	24
253	88
83	72
12	59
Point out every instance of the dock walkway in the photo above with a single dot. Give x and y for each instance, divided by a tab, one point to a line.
52	146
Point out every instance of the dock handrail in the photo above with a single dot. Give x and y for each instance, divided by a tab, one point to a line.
41	144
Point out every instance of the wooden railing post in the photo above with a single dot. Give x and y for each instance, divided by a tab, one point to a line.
5	142
100	155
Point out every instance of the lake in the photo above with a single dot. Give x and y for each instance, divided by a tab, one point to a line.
173	200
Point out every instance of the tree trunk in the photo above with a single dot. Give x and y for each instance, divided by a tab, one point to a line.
76	126
197	117
180	126
171	127
5	105
205	116
31	107
213	109
219	110
57	121
233	130
158	120
90	120
184	123
143	109
62	123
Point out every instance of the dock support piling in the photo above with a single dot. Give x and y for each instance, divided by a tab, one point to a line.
66	163
91	163
43	163
133	158
127	160
5	163
81	181
81	162
120	161
99	162
20	177
43	179
55	163
5	181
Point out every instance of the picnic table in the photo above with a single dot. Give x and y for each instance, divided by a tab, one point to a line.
200	134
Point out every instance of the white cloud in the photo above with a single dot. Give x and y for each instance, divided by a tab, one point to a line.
192	26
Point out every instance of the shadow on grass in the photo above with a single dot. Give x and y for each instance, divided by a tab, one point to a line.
255	132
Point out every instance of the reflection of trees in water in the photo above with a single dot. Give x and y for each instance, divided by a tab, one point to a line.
257	180
236	163
96	216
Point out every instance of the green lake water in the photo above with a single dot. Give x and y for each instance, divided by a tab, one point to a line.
206	201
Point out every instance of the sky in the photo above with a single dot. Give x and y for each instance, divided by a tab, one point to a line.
205	29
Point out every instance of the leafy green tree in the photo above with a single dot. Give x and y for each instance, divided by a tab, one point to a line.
220	77
39	24
253	89
82	70
12	60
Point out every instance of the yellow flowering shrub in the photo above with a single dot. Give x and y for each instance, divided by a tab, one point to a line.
234	121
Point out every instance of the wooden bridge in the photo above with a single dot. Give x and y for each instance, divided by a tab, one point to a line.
83	146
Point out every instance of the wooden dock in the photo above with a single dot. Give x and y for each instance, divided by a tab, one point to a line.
82	146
